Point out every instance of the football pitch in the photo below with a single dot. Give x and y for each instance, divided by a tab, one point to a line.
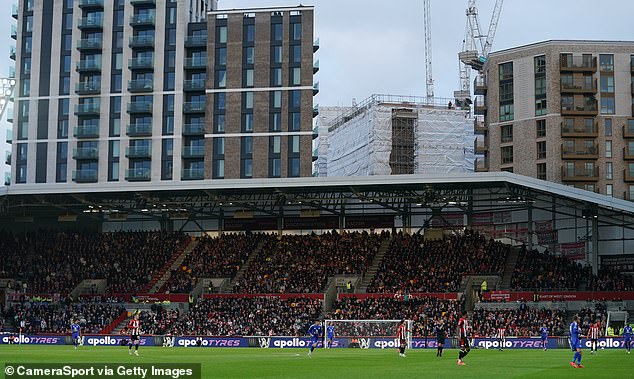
342	363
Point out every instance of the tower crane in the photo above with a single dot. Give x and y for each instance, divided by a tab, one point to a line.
429	81
476	46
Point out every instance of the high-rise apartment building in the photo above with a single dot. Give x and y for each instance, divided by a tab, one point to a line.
560	111
160	90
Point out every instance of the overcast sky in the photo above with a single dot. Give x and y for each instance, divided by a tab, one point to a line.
370	46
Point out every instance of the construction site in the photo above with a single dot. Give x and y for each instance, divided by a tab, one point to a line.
388	134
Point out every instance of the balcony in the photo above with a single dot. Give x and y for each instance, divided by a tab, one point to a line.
12	52
90	23
7	159
479	106
138	152
190	152
89	44
194	107
628	129
140	107
14	32
315	132
196	41
480	146
141	64
193	174
14	11
139	129
142	20
315	110
315	66
9	138
481	165
85	176
141	41
88	66
91	4
194	85
480	85
580	152
589	109
579	86
195	63
580	174
143	2
88	88
10	115
140	85
479	127
578	64
138	174
628	175
315	154
87	109
193	130
628	153
580	130
86	153
315	88
316	45
86	131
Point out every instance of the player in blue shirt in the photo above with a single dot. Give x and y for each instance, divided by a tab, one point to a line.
75	328
627	336
330	334
315	332
575	342
545	337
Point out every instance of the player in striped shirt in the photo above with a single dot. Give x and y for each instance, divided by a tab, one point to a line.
463	330
501	336
594	337
401	335
134	326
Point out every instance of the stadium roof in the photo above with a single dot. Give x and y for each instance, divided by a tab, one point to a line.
396	194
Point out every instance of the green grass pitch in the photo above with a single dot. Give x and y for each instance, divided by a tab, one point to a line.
344	363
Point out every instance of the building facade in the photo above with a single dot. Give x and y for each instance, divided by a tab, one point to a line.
122	91
560	111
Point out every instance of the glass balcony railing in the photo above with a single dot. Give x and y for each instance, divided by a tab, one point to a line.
140	107
92	4
193	174
578	63
196	62
86	153
193	129
195	41
193	152
139	129
14	31
194	107
138	174
86	131
141	85
140	63
12	52
142	20
589	108
90	23
85	176
88	88
194	85
88	65
89	44
143	2
141	41
139	152
14	11
87	109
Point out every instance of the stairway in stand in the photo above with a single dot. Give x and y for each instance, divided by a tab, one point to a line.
244	268
173	264
509	267
374	267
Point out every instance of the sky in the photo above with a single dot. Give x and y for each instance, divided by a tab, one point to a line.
370	46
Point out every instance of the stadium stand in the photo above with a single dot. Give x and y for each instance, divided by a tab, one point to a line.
302	264
414	264
524	321
544	271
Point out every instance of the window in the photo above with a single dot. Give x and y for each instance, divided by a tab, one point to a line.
609	171
249	55
608	149
170	81
247	168
506	134
276	32
541	171
540	86
221	56
607	84
247	122
276	77
276	99
609	190
507	154
247	145
247	100
221	34
540	107
540	64
607	105
294	122
506	91
248	78
296	31
249	33
541	150
541	128
588	187
221	79
219	147
606	62
219	124
296	54
276	145
294	144
276	122
66	63
62	129
293	169
276	167
630	192
276	54
295	99
296	76
506	71
113	171
219	169
168	126
62	159
506	112
608	127
220	103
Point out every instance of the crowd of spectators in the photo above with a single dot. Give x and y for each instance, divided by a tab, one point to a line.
545	271
33	318
158	320
303	263
259	316
424	312
213	257
56	262
413	264
591	314
522	321
609	280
